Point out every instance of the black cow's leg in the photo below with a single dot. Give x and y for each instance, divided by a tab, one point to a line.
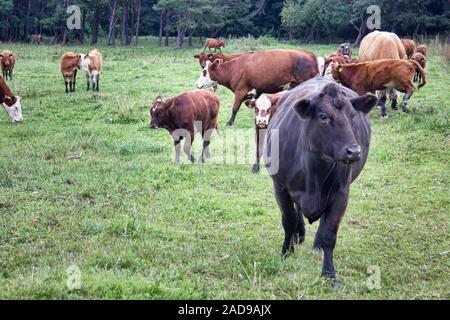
327	233
98	83
289	219
300	232
256	166
206	142
67	89
383	100
88	82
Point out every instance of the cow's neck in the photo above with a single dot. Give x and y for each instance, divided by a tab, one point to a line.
222	76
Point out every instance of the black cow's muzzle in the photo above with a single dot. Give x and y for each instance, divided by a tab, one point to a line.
351	154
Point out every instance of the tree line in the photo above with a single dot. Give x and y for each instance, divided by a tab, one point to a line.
123	21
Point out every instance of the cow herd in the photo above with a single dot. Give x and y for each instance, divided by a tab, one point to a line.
316	107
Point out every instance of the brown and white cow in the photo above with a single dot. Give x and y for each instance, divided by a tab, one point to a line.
92	64
70	63
214	44
10	102
410	47
251	75
203	57
182	115
382	45
7	63
422	49
265	107
335	58
36	39
422	60
385	74
345	49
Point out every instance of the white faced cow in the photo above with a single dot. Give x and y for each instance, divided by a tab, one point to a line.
10	103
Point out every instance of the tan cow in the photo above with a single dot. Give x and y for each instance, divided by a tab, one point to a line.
383	45
70	64
36	39
7	63
214	44
92	64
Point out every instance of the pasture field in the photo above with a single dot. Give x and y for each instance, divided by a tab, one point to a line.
85	182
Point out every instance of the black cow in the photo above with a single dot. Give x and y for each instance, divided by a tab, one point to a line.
323	141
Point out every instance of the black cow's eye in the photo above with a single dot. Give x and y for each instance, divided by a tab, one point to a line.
323	117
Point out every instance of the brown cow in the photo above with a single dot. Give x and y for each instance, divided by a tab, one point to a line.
203	57
265	107
36	39
422	49
92	64
7	63
335	58
382	45
383	75
422	60
251	75
214	44
183	115
410	47
70	63
10	103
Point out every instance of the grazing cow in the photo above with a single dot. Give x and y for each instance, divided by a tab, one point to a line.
10	103
422	60
386	74
345	49
382	45
251	75
410	47
203	57
182	115
265	107
70	63
7	63
36	39
214	44
324	134
92	63
422	49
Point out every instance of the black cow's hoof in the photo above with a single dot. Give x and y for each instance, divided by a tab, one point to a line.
384	115
406	110
256	168
230	123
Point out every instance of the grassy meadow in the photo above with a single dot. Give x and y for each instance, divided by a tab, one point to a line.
84	182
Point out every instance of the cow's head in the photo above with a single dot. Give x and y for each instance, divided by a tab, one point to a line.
345	49
205	81
420	58
13	107
336	69
327	72
84	62
5	59
203	58
263	110
159	113
329	117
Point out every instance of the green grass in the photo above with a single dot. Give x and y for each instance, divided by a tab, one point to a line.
84	182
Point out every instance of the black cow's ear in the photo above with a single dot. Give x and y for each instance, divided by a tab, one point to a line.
365	103
304	108
250	103
196	56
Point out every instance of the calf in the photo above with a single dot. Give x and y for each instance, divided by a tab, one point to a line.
7	63
92	64
422	60
214	44
410	47
181	115
251	75
265	107
70	63
317	144
204	57
10	103
385	75
422	49
36	39
333	58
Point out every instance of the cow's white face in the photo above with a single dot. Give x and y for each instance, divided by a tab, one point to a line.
263	111
14	111
205	82
85	61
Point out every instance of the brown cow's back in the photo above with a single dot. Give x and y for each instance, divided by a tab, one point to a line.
197	105
381	45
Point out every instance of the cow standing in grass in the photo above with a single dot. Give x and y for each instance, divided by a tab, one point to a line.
264	107
36	39
7	64
10	102
422	49
251	75
182	115
324	133
92	64
214	44
422	60
70	64
204	57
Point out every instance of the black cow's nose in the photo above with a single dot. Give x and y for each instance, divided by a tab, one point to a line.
353	153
